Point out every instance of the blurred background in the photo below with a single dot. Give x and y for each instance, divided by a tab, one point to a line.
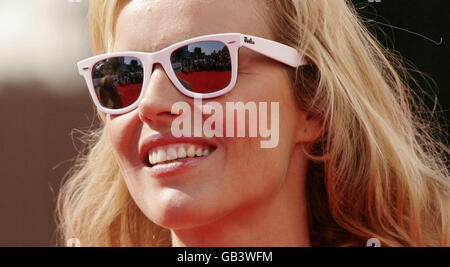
43	99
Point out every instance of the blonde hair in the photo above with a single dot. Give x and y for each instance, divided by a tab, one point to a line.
377	172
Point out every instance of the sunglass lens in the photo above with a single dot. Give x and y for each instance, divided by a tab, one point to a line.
203	67
118	81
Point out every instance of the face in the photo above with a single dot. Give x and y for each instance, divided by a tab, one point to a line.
237	173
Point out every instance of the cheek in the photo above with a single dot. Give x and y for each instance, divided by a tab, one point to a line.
124	133
253	174
256	172
124	136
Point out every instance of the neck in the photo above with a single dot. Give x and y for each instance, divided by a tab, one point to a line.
280	220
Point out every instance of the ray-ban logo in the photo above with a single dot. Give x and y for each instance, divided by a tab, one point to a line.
249	40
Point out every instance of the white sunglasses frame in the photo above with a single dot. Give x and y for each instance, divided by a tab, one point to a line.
275	50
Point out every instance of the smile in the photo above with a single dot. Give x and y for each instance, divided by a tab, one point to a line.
164	155
175	152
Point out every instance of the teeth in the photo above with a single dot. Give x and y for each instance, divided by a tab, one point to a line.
161	156
178	151
181	153
191	151
171	153
150	158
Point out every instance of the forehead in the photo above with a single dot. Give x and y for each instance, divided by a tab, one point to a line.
150	25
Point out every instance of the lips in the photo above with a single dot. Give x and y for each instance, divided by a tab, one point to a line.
164	148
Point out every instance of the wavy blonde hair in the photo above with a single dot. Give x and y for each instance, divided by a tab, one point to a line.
376	172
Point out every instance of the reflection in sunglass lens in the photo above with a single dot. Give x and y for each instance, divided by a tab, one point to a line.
203	67
118	81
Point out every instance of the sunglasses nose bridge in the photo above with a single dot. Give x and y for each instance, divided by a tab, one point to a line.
152	60
157	58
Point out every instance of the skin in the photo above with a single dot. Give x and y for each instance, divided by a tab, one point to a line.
241	195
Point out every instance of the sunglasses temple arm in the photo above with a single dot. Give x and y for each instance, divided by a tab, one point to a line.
277	51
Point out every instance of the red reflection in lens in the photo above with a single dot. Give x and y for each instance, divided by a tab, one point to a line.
129	93
205	81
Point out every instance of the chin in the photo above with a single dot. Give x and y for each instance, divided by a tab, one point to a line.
179	211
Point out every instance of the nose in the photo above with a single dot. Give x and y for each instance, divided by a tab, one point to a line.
161	94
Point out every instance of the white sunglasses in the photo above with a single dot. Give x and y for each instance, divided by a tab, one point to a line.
201	67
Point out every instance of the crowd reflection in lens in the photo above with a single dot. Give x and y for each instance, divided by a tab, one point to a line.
203	67
118	81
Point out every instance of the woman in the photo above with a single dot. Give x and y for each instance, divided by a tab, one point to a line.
352	162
